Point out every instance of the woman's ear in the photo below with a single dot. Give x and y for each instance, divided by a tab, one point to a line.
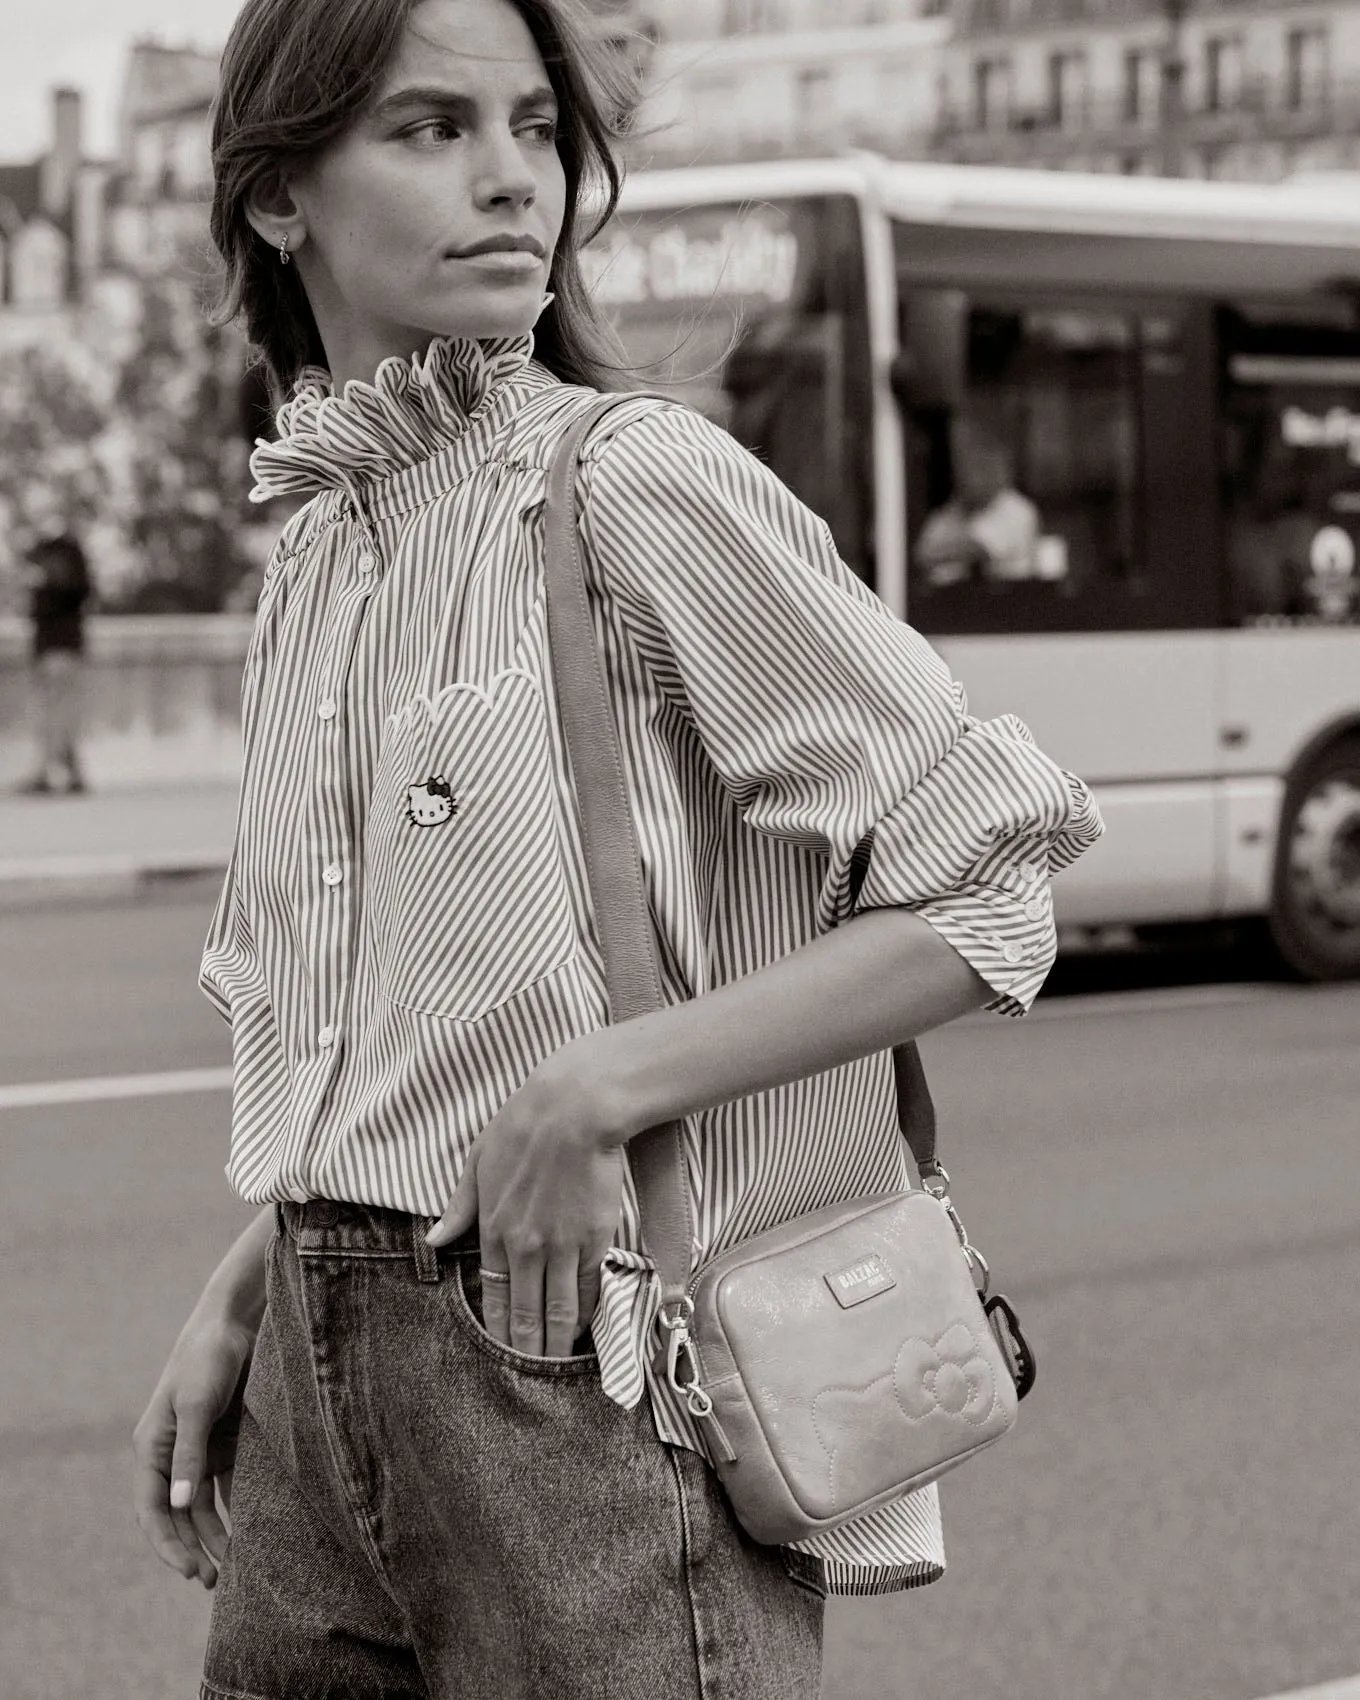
274	214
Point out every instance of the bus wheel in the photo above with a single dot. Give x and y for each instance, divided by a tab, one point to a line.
1315	911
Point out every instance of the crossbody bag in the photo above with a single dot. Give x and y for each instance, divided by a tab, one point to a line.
838	1361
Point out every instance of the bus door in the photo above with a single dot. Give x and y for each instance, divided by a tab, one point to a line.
756	314
1062	555
1289	374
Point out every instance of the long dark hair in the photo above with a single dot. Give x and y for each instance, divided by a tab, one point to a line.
296	73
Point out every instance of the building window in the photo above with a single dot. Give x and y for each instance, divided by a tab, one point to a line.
1223	73
1067	90
992	94
814	100
1142	85
1306	67
755	15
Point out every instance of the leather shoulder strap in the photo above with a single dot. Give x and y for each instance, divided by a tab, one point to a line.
614	866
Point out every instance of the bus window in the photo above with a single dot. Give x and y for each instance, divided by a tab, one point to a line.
1024	465
756	315
1290	459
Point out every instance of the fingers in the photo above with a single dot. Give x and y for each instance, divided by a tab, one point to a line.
526	1303
193	1420
207	1524
150	1492
545	1304
561	1306
495	1294
461	1214
170	1531
587	1288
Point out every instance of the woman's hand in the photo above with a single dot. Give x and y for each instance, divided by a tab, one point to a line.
545	1181
185	1446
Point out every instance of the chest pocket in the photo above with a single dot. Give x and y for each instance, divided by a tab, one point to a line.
468	896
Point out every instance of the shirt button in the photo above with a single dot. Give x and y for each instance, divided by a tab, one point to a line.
1032	871
1012	953
333	874
1034	909
368	562
325	709
326	1038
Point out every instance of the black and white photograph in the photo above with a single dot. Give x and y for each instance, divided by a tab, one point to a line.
680	850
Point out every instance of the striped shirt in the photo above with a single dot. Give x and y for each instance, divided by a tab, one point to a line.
405	930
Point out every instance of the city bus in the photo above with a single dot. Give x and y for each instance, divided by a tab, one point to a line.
1097	437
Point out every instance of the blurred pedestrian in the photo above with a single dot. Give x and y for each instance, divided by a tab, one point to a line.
426	1374
59	587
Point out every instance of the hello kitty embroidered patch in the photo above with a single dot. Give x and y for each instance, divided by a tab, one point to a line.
431	803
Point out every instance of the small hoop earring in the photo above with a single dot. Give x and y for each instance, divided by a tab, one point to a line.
285	258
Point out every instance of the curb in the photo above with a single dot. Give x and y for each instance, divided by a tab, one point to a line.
46	879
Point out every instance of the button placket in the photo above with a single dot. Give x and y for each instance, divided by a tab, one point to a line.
330	830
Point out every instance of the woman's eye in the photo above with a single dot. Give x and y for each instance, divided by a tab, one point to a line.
432	131
542	130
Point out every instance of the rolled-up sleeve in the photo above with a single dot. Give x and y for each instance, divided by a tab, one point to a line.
832	724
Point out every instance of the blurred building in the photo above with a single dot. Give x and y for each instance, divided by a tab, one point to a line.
50	215
1212	88
157	201
758	79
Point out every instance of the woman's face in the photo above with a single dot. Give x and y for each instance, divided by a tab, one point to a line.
437	213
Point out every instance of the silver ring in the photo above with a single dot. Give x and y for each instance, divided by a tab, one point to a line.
495	1275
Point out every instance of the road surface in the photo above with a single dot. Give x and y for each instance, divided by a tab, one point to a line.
1166	1181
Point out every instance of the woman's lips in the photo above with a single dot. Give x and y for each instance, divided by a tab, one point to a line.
517	260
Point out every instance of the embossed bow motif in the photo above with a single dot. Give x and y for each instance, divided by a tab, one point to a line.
948	1376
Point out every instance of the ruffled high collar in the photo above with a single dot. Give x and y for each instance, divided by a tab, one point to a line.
412	409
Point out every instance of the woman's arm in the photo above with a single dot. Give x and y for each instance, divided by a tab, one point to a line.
883	978
185	1443
543	1180
235	1289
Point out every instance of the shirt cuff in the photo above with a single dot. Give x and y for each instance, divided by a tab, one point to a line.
1008	939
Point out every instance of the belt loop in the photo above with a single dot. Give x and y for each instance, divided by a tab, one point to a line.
427	1258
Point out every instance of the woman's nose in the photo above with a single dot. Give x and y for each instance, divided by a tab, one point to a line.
505	178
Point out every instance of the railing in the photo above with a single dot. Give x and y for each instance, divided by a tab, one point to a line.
1259	102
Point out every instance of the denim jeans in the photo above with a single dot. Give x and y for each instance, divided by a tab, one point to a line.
419	1511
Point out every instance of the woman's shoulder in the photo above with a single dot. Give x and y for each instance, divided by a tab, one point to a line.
532	435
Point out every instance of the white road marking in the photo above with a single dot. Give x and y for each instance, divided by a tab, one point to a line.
1156	998
1348	1688
41	1094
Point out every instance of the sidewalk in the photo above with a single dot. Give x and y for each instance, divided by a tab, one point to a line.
113	843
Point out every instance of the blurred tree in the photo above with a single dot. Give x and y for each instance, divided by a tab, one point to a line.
51	411
184	478
139	436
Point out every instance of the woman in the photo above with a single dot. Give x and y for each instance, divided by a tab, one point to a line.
456	1469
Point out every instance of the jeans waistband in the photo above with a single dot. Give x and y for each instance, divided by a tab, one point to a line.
335	1229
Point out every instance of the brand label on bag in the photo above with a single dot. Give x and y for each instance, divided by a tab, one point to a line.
860	1281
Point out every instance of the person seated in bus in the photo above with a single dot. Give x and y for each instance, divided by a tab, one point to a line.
987	529
1269	532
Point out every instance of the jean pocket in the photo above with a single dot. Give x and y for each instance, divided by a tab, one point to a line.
465	1286
468	897
804	1571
